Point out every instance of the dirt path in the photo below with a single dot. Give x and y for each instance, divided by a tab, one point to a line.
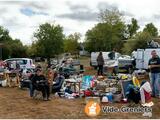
15	103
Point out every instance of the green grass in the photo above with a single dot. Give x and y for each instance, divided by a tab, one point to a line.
85	61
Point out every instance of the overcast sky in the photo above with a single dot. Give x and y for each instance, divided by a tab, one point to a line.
22	17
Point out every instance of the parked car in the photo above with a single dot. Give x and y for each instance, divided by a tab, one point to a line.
23	62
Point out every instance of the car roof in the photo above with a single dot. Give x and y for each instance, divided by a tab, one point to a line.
17	59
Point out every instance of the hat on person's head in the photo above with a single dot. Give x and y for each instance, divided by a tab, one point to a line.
38	69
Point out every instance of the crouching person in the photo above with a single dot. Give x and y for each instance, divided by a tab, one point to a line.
39	82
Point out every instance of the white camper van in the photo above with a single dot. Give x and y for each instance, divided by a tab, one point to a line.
123	62
107	60
142	57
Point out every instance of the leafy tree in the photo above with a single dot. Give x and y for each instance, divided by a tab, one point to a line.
17	49
108	34
6	51
151	29
139	42
71	44
10	47
32	50
110	16
4	41
49	40
4	35
132	28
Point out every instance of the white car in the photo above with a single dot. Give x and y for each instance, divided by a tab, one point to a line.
23	62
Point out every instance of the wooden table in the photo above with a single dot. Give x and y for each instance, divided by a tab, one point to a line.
74	82
9	76
2	76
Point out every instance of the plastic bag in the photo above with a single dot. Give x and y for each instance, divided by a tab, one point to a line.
4	83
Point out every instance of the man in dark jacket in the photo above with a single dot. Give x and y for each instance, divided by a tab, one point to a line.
39	82
100	62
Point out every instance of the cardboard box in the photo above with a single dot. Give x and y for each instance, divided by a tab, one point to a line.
95	99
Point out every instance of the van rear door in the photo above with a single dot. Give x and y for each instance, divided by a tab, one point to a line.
94	56
140	59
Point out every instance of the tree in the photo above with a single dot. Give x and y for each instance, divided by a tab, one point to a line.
4	35
151	29
132	28
138	42
108	34
4	41
17	49
10	47
112	16
49	40
71	44
6	51
32	50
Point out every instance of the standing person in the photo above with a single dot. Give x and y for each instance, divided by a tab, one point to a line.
154	66
100	61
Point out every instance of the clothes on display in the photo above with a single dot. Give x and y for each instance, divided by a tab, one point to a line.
133	94
145	92
135	81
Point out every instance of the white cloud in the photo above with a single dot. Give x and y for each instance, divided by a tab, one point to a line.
22	26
